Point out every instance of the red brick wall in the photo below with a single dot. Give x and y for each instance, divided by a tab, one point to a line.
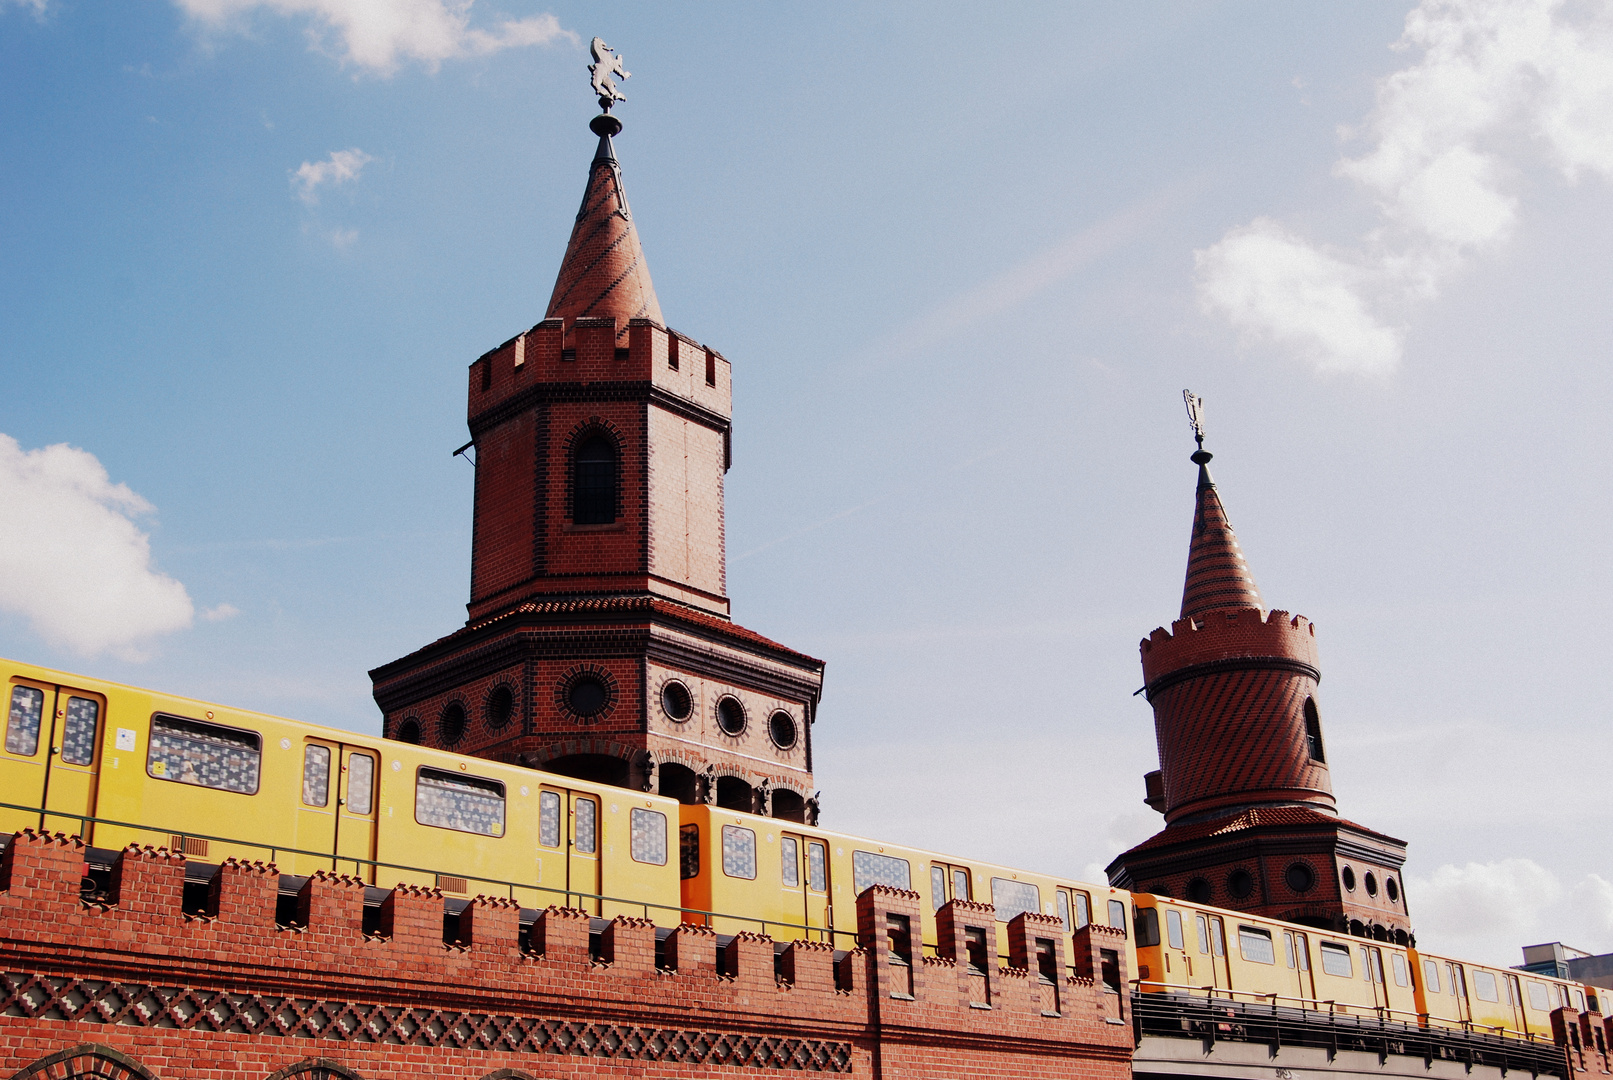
136	989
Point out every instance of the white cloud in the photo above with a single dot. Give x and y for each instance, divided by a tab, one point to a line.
38	7
342	167
1501	85
379	34
220	612
72	560
1489	911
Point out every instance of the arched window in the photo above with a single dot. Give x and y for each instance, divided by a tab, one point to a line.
593	484
1313	730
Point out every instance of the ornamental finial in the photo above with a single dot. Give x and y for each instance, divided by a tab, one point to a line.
1195	416
606	63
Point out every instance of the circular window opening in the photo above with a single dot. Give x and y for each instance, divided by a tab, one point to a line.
1393	889
676	702
451	725
587	696
500	707
1300	877
1348	877
1240	884
1372	884
731	716
408	731
781	726
1198	891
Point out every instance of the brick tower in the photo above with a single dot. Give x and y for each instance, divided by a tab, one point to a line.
1243	782
599	643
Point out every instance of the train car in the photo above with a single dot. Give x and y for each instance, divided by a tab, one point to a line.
1190	948
1454	993
116	765
797	881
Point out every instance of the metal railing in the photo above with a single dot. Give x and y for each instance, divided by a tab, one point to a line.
508	887
1217	1014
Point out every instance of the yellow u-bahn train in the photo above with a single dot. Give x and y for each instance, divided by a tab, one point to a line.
116	765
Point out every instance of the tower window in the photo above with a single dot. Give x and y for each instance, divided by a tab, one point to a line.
594	483
1313	731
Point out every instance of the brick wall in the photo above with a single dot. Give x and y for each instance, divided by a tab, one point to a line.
135	988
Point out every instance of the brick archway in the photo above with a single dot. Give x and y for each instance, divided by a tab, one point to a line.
315	1068
86	1060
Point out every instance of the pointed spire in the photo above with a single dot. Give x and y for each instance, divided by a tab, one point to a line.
1217	575
604	273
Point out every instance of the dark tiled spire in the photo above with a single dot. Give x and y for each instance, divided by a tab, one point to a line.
1217	574
604	273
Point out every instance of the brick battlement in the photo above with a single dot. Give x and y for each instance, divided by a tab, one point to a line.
1229	635
232	994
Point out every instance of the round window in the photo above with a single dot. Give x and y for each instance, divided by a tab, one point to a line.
781	725
451	725
500	707
1348	877
1372	884
731	716
1198	891
1299	877
1240	884
1390	887
586	696
676	701
408	731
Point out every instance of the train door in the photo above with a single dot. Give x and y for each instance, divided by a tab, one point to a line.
1213	951
1372	971
1298	950
316	809
356	813
1458	981
30	706
74	761
568	825
1515	1004
805	866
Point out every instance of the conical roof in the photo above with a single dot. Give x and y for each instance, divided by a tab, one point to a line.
604	273
1217	574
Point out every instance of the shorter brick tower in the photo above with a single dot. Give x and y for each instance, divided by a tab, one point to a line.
1243	781
599	643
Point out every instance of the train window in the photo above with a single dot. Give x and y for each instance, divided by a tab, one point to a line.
78	734
1302	947
1217	943
1371	964
549	819
22	726
1064	910
1485	986
586	837
649	836
817	866
1579	1000
1083	909
1173	928
938	886
1430	977
868	869
361	785
1402	976
1147	927
1336	960
1204	935
689	852
738	852
316	775
463	803
790	858
1255	945
960	884
191	752
1513	996
1537	997
1012	897
1458	983
1117	914
1288	948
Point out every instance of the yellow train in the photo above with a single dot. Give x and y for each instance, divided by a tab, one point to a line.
116	765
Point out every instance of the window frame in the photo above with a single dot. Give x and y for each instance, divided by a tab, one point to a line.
503	798
151	745
1337	952
633	835
591	438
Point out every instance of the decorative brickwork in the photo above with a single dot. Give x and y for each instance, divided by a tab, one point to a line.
233	996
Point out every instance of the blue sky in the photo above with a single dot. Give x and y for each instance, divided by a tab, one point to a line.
964	261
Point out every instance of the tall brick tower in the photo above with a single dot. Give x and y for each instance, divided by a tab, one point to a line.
599	643
1243	781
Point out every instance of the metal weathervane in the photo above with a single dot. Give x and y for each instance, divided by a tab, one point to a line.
606	63
1195	415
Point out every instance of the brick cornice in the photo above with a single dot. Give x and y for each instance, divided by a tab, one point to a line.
616	390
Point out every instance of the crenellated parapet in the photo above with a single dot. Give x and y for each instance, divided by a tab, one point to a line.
1224	639
229	992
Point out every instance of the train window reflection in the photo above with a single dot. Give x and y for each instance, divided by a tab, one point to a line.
739	852
1401	974
817	866
1256	945
207	755
462	803
1485	986
361	786
938	886
316	775
78	733
868	869
1430	977
549	818
1173	927
1204	934
586	839
1012	897
1147	927
790	858
1117	915
649	837
22	726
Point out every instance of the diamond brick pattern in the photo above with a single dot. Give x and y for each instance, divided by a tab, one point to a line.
604	274
144	1005
1217	574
